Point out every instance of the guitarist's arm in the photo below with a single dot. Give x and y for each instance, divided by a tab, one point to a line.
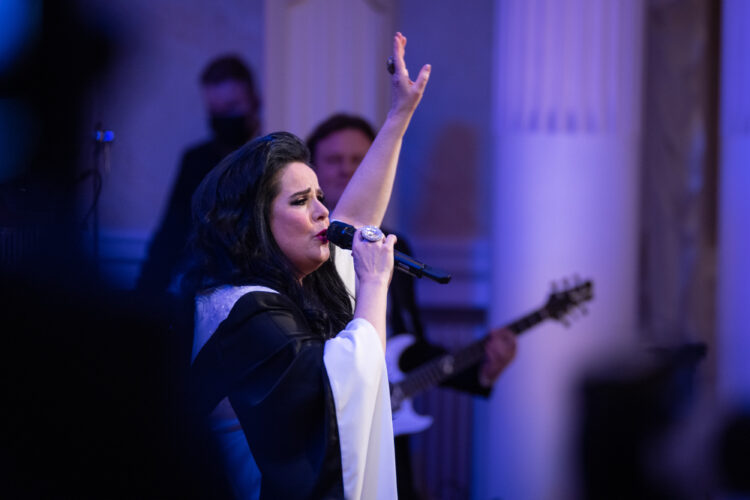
405	317
479	378
466	381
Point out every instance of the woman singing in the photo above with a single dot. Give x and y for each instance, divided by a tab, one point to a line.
292	375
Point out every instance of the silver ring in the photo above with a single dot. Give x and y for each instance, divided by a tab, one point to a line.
371	233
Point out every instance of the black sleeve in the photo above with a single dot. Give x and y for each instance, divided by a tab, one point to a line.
405	318
422	352
404	313
169	239
270	364
167	246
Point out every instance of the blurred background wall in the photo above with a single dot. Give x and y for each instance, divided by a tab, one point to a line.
151	100
604	138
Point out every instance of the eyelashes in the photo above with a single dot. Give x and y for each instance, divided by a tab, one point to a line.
301	201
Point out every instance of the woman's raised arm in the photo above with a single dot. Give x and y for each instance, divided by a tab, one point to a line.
365	199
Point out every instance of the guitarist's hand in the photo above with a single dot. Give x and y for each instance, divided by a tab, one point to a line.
499	350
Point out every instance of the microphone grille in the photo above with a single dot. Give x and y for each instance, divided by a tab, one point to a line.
341	234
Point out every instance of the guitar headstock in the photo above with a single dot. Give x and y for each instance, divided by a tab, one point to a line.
562	299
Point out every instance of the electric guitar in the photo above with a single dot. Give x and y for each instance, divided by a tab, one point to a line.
405	386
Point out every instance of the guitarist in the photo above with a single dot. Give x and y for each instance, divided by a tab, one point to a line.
337	146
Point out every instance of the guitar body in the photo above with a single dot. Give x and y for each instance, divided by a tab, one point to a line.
408	421
405	419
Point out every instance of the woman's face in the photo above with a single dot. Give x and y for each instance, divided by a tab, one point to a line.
299	219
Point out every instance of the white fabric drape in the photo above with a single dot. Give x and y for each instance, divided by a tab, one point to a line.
355	362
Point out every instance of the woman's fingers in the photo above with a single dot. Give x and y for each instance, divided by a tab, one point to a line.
373	258
399	44
422	78
400	73
406	93
389	240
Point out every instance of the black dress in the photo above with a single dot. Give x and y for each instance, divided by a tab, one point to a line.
314	407
269	362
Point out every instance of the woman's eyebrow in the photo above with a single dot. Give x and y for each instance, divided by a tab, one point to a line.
300	193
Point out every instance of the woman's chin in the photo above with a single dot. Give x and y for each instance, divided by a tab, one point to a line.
325	253
321	259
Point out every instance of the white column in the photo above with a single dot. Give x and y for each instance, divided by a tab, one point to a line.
734	205
566	115
326	56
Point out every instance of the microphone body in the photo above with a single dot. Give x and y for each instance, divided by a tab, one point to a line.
341	234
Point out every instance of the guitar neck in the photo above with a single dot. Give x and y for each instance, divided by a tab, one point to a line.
446	366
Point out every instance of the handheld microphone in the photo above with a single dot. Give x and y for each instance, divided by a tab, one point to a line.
341	234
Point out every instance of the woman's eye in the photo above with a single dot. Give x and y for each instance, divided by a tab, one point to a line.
322	198
299	201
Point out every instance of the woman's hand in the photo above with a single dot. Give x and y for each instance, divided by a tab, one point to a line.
366	197
373	263
373	260
405	94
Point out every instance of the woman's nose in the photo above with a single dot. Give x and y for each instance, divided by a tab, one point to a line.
321	212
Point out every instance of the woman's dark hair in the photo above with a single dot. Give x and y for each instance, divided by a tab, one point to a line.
231	239
335	123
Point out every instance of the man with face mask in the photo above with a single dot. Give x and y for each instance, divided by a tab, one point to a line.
233	106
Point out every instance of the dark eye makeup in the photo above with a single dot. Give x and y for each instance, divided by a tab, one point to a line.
302	200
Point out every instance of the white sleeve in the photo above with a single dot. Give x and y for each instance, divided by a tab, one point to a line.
345	267
356	369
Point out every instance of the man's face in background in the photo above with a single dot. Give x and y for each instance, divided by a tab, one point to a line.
232	111
337	157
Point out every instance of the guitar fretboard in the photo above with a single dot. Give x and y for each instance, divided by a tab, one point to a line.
448	365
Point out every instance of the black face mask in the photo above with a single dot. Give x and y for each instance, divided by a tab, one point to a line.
230	130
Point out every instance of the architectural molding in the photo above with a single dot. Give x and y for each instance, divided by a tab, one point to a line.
565	66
